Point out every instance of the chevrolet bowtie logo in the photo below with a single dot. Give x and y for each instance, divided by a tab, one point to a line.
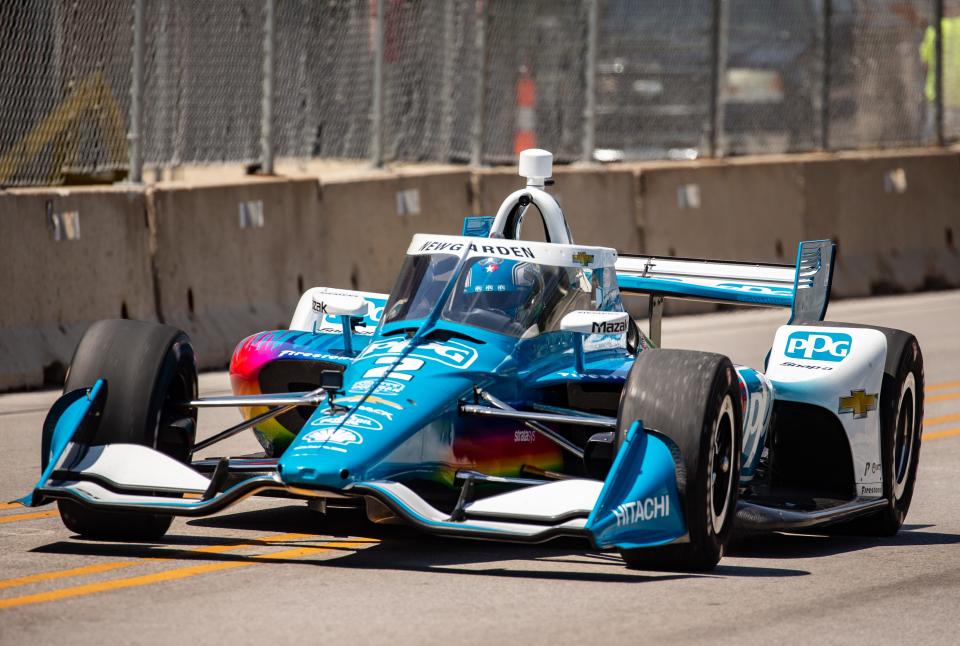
859	403
583	258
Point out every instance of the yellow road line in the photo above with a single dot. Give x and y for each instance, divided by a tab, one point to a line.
951	432
9	505
169	575
31	516
115	565
943	419
941	398
60	574
943	386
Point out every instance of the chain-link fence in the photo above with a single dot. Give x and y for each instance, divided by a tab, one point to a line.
92	90
64	90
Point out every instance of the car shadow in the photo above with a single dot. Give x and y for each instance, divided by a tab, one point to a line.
813	545
397	548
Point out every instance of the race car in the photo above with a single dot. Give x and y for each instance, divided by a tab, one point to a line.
501	391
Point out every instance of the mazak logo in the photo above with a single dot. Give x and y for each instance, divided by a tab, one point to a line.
818	346
609	327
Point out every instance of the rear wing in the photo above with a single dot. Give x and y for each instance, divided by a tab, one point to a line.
804	287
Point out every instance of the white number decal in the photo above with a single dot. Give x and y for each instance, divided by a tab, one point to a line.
405	365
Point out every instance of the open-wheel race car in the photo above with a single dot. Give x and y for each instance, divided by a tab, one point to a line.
501	391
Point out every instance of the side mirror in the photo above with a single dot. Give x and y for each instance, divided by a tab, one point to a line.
347	307
341	305
585	322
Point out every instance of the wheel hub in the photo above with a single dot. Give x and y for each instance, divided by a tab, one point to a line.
720	471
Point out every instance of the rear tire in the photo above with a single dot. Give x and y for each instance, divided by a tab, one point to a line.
148	369
694	399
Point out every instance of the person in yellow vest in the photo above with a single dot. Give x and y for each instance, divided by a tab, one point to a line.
950	26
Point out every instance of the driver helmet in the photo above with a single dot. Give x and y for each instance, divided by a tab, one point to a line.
502	285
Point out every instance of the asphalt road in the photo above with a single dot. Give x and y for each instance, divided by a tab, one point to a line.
271	572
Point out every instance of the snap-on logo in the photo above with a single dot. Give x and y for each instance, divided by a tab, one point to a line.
818	346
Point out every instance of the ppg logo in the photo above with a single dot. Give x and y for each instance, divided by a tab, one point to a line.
819	346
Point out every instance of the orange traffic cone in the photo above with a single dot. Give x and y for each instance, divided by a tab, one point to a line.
525	136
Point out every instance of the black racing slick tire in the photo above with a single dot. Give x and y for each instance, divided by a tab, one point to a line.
693	398
901	425
149	370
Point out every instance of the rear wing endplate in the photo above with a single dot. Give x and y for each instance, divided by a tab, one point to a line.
804	287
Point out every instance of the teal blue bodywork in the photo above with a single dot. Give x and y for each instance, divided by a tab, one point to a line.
65	418
639	505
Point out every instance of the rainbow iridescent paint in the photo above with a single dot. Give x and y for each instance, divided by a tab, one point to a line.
264	361
257	356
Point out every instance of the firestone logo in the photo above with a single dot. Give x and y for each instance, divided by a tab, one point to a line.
819	346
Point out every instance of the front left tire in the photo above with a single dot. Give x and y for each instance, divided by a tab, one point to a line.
693	398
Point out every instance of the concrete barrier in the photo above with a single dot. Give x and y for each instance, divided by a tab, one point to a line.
894	215
224	260
67	258
370	221
232	259
723	210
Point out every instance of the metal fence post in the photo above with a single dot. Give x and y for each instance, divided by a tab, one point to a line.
135	135
718	53
480	51
267	97
590	76
938	79
827	45
447	81
376	109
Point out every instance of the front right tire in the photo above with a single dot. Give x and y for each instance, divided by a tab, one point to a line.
149	370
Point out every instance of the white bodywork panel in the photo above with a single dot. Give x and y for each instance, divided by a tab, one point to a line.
755	278
434	517
132	465
309	317
820	365
595	322
99	493
757	413
542	503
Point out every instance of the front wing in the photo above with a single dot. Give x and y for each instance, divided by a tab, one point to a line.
637	505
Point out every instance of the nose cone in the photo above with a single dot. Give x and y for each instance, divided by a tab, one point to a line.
357	440
390	394
336	447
